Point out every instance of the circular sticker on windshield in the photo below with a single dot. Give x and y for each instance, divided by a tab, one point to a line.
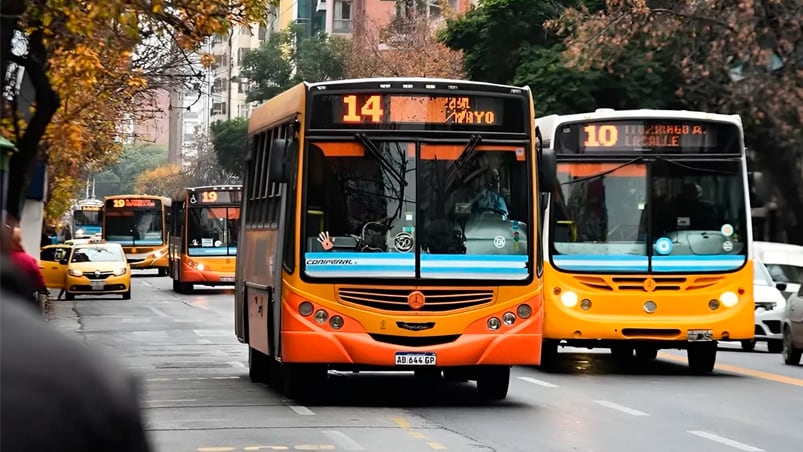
663	246
499	241
403	242
727	246
726	230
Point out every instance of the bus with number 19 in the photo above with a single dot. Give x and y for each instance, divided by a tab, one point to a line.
647	234
203	236
140	224
390	224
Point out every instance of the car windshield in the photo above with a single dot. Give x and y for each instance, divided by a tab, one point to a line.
459	209
761	277
212	231
786	273
601	218
104	254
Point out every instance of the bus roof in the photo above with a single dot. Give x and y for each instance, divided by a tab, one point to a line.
288	104
548	124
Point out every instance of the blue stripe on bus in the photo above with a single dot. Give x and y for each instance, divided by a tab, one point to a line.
595	262
232	251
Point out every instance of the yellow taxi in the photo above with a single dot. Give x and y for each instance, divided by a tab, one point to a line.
86	269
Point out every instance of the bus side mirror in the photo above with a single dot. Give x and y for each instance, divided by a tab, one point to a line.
780	286
546	164
280	159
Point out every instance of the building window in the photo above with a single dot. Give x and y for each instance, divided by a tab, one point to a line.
219	108
341	20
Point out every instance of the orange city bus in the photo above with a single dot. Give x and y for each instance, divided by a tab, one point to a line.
203	236
646	234
140	224
368	241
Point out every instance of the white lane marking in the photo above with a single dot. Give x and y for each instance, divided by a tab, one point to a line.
171	401
301	410
159	312
158	379
147	283
725	441
342	440
212	333
622	408
543	383
237	364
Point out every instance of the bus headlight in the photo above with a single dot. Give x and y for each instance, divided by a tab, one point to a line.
524	311
713	304
569	299
305	308
321	316
336	322
494	324
509	318
80	231
729	299
157	254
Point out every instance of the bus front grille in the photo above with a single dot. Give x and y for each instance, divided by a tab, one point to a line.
648	283
436	300
415	341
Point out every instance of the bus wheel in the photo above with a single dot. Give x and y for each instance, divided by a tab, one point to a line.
258	366
493	382
748	345
646	352
162	271
702	356
622	352
549	355
303	381
176	286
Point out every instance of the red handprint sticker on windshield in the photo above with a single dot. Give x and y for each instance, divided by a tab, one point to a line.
326	242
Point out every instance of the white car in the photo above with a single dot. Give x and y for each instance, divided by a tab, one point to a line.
784	262
769	304
793	329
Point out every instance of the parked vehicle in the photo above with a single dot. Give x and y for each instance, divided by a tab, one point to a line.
792	326
769	305
784	262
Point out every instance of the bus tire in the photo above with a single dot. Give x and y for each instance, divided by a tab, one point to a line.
702	356
162	271
549	355
622	352
258	366
176	286
646	352
303	381
493	382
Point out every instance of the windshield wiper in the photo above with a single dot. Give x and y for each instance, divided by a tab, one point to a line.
466	155
383	161
603	173
688	166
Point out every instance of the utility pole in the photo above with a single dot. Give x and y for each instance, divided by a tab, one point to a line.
175	125
228	78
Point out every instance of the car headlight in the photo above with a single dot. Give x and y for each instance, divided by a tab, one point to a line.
74	272
119	272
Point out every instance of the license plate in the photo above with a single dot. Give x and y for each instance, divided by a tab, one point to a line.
96	285
227	279
700	335
415	359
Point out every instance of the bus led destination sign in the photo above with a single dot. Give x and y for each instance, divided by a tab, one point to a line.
460	111
136	202
645	135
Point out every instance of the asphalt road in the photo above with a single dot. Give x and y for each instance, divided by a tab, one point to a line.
198	397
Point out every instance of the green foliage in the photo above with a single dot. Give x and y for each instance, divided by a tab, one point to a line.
495	35
230	143
270	67
135	160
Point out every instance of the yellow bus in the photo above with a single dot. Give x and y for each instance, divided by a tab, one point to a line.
140	224
647	234
390	224
203	236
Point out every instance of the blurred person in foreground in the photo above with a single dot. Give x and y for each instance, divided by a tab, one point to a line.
27	266
57	393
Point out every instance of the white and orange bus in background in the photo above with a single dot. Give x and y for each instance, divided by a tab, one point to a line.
647	234
204	236
140	224
391	224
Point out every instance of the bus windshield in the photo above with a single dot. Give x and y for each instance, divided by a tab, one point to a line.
134	227
417	210
212	231
604	218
